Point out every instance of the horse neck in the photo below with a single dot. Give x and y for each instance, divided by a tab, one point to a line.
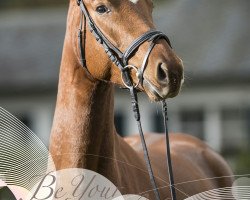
83	126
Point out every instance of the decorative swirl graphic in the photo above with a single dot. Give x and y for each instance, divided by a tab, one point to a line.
239	191
23	156
27	172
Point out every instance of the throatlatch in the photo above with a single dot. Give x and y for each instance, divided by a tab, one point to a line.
121	61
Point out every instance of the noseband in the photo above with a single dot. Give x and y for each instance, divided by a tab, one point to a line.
121	60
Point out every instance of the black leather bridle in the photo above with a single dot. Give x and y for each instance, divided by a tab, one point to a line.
121	61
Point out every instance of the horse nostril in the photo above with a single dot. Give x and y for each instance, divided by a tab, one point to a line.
162	72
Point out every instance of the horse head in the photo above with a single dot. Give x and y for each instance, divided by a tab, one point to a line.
123	21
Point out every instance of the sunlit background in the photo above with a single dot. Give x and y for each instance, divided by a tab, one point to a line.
212	37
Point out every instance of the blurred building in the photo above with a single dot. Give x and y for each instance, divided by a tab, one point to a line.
212	38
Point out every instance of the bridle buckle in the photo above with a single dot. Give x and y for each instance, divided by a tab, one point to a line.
130	68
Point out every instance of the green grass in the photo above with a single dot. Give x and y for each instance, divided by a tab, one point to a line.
243	162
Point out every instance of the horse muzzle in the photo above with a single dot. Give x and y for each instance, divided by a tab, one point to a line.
166	82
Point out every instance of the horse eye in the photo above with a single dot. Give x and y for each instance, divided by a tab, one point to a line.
102	9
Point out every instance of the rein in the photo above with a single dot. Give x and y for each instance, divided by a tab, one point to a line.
121	61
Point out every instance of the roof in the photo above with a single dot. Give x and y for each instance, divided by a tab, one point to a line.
212	38
30	51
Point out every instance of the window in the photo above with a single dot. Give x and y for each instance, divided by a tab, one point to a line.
234	128
192	122
158	123
119	124
25	119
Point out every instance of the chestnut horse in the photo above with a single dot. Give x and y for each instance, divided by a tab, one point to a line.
83	133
